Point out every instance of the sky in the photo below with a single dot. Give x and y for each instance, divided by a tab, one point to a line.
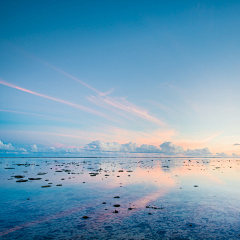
120	77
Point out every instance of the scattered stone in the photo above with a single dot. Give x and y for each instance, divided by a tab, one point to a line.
59	185
28	198
62	178
116	197
85	217
22	180
18	176
35	179
115	211
9	168
195	185
41	173
104	203
116	205
45	186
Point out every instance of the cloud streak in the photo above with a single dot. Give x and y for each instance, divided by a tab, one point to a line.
10	111
54	99
126	106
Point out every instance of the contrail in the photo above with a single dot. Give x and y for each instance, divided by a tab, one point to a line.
53	99
34	114
72	77
110	101
127	107
39	115
57	134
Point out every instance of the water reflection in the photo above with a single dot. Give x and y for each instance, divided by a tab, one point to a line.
158	198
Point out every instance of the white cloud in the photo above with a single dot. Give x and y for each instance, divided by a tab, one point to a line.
145	148
235	155
110	147
222	154
101	147
34	148
203	151
6	146
9	148
167	148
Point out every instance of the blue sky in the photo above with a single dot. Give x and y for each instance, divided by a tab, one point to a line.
78	73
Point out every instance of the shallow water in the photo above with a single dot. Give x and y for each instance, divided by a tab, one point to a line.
159	198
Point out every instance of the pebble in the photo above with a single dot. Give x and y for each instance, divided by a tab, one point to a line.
22	180
18	176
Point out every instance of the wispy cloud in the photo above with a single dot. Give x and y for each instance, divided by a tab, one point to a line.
198	142
55	99
40	115
124	106
18	112
58	134
236	144
162	106
211	137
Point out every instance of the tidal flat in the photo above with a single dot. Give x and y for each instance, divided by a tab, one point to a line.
119	198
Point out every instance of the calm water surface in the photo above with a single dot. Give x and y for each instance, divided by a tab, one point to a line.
168	198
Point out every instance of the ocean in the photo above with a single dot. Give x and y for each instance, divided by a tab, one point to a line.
119	198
